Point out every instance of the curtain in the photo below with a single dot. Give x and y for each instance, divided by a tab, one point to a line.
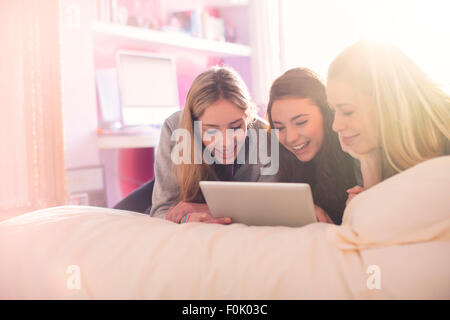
31	139
265	46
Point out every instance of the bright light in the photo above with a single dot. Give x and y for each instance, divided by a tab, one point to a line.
420	28
314	32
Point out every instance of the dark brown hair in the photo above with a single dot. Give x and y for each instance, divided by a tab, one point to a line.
331	172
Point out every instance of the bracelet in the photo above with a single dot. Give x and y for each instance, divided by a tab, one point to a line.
185	218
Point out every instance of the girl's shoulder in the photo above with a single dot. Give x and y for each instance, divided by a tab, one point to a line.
173	121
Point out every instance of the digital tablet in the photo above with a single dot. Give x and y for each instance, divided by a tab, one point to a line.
260	204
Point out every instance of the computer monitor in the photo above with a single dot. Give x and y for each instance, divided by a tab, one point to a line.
148	87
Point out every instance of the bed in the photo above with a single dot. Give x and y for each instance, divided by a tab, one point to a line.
394	243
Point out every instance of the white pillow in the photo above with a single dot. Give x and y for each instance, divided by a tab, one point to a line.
412	206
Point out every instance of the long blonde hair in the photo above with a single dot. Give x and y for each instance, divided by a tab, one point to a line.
210	86
413	113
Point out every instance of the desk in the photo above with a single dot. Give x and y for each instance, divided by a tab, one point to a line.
128	158
129	138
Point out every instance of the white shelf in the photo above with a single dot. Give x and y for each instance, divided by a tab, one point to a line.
132	35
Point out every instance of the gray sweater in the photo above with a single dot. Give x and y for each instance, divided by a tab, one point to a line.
166	191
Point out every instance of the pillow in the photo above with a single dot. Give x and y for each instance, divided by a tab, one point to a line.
412	206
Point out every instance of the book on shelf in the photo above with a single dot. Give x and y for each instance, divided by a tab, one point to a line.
213	28
199	22
114	11
110	11
103	10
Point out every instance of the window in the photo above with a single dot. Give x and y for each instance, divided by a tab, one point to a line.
314	32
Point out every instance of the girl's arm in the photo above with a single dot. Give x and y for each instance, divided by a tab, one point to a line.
321	215
166	190
371	168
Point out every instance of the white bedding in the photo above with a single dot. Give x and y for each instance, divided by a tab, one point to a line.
401	225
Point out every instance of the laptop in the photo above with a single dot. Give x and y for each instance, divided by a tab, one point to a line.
260	204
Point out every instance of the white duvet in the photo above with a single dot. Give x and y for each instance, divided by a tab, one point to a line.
394	243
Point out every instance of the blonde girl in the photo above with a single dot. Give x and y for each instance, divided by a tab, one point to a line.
388	113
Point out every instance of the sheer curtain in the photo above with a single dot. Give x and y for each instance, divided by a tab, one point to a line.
31	140
265	46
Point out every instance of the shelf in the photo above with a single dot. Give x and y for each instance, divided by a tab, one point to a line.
126	35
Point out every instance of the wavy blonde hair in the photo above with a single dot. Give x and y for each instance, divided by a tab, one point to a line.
413	113
210	86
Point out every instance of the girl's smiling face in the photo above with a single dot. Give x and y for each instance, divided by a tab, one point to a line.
354	118
300	125
218	119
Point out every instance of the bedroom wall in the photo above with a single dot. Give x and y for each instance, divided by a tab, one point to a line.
79	97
